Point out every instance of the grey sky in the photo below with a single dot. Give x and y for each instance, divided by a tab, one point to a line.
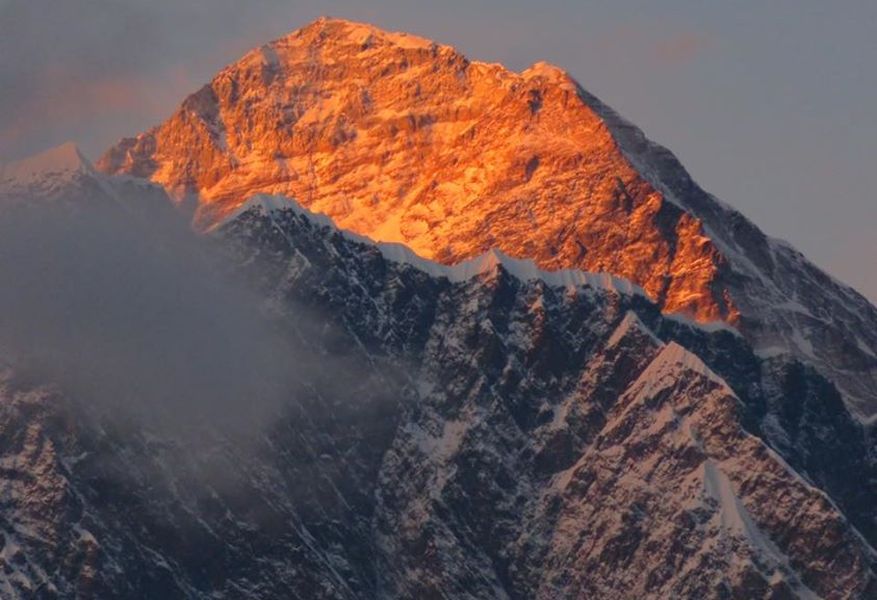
769	105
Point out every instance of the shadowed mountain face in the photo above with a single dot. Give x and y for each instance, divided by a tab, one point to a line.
480	431
562	438
405	140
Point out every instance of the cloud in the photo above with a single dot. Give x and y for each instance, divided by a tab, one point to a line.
652	46
65	103
130	313
681	47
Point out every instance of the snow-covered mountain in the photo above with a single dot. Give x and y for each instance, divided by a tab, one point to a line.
517	354
405	140
64	177
483	430
563	431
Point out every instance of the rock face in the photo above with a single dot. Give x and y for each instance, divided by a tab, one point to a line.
525	434
514	349
477	418
404	140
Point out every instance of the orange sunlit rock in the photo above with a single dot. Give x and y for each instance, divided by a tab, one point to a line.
401	139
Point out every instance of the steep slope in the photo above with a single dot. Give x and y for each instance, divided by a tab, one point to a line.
95	505
64	178
528	378
493	430
405	140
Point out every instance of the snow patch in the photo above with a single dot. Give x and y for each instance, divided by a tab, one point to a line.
664	369
735	519
522	269
630	322
446	445
63	161
768	352
710	326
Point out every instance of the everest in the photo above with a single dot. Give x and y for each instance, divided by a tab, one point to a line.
418	327
404	140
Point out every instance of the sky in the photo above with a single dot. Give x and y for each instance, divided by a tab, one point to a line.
770	105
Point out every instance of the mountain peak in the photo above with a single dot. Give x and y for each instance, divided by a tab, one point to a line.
361	33
403	140
550	73
62	161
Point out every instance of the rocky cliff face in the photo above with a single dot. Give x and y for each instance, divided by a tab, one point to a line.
502	432
405	140
479	419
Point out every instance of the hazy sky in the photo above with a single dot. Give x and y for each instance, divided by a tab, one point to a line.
770	105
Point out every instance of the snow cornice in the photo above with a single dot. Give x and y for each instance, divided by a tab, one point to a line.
521	269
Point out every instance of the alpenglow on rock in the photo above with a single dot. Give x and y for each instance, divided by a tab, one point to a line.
405	140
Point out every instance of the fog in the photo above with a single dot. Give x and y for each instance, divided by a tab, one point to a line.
130	313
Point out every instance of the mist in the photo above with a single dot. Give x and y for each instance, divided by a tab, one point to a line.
130	313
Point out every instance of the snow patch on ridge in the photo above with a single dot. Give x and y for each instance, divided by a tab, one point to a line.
663	371
710	326
62	162
522	269
629	323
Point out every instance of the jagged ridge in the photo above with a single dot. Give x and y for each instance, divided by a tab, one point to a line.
544	441
405	140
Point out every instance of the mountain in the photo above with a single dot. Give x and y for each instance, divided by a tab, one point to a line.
560	416
64	177
404	140
316	397
482	430
59	164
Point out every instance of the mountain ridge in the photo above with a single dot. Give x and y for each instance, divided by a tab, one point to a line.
522	439
411	142
492	91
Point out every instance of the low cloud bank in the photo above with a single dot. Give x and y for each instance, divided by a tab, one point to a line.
126	310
